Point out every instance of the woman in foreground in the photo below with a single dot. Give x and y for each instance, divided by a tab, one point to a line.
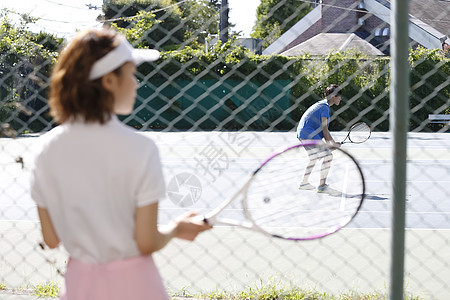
97	182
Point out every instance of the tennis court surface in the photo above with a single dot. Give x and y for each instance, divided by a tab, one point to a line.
203	168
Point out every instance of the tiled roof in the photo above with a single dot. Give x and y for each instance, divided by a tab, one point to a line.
323	43
435	13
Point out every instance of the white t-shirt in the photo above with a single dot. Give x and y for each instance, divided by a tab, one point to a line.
91	178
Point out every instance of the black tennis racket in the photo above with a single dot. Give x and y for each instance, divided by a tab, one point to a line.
276	203
358	133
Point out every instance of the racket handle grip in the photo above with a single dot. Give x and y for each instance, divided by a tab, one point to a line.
201	218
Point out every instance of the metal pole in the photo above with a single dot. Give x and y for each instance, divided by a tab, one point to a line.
399	99
223	30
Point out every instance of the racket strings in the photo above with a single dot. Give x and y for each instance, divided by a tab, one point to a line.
359	133
318	214
320	219
276	205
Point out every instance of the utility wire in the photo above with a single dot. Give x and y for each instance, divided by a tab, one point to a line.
51	20
65	5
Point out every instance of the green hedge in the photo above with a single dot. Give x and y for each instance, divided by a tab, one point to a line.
261	92
365	83
26	59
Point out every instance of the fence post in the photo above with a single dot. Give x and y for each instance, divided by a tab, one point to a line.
399	128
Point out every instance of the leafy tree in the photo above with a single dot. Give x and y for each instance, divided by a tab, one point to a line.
163	23
216	4
430	88
138	28
201	18
125	14
25	62
274	17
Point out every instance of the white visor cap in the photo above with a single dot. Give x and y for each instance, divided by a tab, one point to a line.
123	53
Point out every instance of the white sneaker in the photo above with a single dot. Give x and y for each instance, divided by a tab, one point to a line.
326	189
306	186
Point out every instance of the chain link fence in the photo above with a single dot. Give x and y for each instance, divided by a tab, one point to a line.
217	103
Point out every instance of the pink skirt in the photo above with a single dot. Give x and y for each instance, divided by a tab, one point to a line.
135	278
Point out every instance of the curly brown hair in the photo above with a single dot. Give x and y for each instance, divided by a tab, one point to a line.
72	94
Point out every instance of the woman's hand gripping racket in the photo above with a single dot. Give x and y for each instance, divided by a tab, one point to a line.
358	133
274	203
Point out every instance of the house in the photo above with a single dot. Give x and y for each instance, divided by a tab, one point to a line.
362	24
322	43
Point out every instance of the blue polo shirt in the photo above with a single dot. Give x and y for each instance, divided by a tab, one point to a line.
310	125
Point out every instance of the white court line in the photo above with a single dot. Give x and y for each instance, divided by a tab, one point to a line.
12	177
344	189
162	141
230	210
409	162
